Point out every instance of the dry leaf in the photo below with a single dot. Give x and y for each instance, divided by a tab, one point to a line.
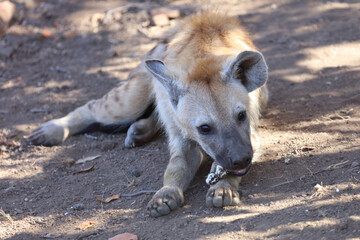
85	170
87	159
112	198
87	224
100	199
109	199
125	236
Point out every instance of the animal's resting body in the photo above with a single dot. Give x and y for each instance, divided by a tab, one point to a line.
208	85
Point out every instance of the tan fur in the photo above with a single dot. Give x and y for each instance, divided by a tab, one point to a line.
209	74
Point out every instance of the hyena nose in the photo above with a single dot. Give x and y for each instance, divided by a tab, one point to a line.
240	163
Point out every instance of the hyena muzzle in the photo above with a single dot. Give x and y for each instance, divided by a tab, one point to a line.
206	88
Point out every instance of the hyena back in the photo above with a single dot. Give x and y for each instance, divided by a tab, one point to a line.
208	85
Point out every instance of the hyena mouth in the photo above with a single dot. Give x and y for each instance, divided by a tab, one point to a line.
239	172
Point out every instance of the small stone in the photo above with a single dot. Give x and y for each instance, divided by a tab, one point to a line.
354	164
124	236
287	160
78	207
160	20
135	173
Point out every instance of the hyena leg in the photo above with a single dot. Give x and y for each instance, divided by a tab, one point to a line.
142	131
224	192
184	162
118	109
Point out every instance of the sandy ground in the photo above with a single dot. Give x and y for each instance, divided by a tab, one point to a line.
305	185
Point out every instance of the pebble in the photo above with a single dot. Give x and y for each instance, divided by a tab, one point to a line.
135	173
287	160
354	164
78	207
124	236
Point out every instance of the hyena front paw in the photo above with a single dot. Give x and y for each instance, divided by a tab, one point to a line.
49	134
167	199
140	133
222	194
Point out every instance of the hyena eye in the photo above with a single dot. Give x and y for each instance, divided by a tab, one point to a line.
242	116
204	129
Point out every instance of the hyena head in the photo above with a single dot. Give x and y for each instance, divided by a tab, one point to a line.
211	104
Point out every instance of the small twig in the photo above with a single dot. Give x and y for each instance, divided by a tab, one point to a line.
90	136
85	170
40	110
334	166
137	193
128	180
283	183
127	195
144	32
6	216
355	98
337	165
337	114
329	168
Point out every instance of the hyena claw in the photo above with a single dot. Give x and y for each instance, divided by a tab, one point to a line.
221	195
167	199
48	134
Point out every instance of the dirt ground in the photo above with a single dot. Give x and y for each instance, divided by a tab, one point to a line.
306	184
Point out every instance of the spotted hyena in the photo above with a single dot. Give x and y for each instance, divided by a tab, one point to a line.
206	88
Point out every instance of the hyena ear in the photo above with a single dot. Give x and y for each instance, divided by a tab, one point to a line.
158	69
250	68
